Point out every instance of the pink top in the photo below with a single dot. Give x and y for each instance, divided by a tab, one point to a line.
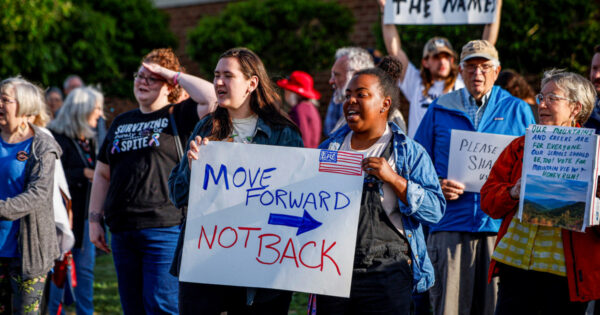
307	117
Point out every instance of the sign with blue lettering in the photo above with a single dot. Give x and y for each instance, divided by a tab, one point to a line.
430	12
272	217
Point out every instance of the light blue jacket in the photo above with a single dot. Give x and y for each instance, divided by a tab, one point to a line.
426	202
504	114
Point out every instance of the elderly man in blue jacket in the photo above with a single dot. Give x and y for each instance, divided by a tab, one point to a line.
462	243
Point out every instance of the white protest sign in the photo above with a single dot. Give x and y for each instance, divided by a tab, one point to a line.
272	217
558	181
472	155
430	12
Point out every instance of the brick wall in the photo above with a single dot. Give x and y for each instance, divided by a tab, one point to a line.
366	13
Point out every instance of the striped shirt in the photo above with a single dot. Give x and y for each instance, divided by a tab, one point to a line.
532	247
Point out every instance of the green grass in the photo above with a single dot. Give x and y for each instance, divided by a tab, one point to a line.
106	294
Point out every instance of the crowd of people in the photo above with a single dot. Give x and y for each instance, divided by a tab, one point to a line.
424	244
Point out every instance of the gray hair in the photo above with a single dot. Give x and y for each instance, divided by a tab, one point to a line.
29	97
69	78
72	119
56	90
358	58
577	89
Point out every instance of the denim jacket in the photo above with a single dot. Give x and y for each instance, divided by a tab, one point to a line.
426	203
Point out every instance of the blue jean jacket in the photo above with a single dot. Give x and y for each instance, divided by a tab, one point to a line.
426	203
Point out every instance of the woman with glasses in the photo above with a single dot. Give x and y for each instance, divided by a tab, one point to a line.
73	129
541	269
130	190
28	244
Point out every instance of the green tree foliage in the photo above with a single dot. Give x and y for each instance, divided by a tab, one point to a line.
534	35
102	41
287	35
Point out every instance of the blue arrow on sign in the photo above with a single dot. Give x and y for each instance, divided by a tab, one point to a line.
304	223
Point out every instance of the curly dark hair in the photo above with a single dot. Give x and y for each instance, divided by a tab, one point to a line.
387	85
165	57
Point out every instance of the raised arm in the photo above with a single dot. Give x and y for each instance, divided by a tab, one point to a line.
490	31
200	90
392	41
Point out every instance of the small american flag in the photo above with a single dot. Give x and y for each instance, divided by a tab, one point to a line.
340	162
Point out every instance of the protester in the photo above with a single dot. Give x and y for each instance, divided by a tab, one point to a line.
438	75
72	82
28	244
462	242
348	60
73	129
299	92
400	192
594	120
130	188
54	99
517	86
536	278
248	112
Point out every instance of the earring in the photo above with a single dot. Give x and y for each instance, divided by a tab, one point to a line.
573	123
23	126
382	110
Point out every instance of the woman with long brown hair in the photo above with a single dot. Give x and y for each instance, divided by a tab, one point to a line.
248	112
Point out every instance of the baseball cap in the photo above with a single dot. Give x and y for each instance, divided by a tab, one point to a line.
479	49
437	45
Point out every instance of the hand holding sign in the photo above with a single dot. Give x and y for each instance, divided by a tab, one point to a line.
195	144
452	189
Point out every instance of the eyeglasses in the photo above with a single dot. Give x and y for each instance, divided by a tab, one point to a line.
550	98
6	100
472	68
148	80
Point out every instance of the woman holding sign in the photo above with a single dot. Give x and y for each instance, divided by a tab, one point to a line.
248	112
400	192
542	268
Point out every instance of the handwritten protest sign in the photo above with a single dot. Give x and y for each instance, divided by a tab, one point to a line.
472	155
439	12
558	183
272	217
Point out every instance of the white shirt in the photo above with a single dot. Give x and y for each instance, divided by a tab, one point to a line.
412	87
389	200
244	129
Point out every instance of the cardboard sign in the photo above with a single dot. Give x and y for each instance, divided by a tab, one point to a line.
273	217
472	155
428	12
558	183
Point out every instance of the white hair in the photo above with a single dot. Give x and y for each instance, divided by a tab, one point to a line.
30	98
72	119
576	88
358	58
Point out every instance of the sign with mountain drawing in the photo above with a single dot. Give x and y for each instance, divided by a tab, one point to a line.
558	183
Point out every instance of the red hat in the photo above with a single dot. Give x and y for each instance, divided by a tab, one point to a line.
300	83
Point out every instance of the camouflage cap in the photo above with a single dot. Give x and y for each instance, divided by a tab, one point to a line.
479	49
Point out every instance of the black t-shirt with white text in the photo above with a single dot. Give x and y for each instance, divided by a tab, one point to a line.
140	150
